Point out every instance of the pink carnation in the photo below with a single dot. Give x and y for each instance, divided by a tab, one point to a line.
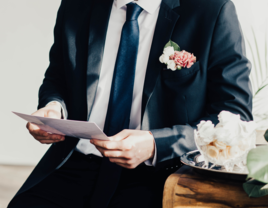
183	59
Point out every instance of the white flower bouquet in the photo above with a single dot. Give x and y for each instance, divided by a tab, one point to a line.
228	143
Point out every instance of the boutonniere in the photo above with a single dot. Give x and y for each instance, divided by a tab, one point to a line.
174	58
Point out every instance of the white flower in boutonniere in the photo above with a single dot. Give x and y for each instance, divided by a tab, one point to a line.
176	59
169	51
171	65
164	59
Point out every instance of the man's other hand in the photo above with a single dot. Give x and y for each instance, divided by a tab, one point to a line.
128	148
52	110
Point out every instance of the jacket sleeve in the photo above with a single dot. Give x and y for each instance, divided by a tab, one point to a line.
54	86
228	86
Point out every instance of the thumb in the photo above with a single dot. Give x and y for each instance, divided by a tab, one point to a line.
53	114
40	113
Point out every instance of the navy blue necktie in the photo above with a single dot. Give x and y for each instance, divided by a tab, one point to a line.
120	102
119	108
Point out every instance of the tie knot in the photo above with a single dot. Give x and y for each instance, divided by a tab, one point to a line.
133	11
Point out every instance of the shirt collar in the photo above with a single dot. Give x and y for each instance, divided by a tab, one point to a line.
149	6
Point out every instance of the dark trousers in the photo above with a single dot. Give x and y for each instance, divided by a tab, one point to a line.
72	186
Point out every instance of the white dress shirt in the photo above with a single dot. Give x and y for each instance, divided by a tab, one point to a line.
147	22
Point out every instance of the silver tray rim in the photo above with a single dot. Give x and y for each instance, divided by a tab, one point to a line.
184	156
213	170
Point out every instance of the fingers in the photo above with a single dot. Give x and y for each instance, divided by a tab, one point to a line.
35	130
123	163
52	138
42	136
117	141
49	141
111	145
121	158
51	111
115	153
31	126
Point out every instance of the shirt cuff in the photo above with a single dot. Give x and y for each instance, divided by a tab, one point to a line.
152	162
63	113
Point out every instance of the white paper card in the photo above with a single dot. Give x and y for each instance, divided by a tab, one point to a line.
78	129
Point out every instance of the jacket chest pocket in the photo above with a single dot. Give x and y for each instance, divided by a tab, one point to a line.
179	90
184	82
183	74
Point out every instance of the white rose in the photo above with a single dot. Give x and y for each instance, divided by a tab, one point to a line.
168	51
244	145
235	151
212	152
220	145
206	131
171	65
248	128
228	143
204	148
223	154
225	135
231	129
164	59
226	117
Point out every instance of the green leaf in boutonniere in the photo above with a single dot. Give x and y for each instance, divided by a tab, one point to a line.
257	164
266	135
174	45
255	188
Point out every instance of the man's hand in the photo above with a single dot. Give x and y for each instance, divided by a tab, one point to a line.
52	110
128	148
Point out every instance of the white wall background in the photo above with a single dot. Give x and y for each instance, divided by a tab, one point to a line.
254	19
26	35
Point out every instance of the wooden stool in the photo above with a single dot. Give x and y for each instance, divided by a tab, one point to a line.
186	188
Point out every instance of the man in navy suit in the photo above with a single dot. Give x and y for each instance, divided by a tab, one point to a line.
104	67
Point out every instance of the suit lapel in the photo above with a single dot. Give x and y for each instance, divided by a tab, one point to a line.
167	19
97	34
